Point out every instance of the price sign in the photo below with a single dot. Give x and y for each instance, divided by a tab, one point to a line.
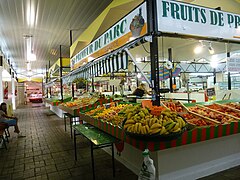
210	92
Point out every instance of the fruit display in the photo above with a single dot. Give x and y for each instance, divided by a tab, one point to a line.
177	107
95	111
224	109
81	102
140	121
196	120
111	114
156	110
209	113
233	105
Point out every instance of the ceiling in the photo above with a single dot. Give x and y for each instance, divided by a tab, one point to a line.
49	23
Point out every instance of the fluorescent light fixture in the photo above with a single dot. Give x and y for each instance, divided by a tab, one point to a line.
90	58
198	49
31	57
30	14
28	66
139	75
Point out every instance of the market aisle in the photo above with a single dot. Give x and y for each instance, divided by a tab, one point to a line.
47	151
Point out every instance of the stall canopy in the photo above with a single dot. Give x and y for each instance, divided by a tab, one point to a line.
116	61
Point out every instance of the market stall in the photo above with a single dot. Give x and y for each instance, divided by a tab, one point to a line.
166	40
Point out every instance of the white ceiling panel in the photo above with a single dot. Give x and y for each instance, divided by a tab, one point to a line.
49	23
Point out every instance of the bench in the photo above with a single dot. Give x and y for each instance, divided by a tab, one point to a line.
2	138
71	117
97	138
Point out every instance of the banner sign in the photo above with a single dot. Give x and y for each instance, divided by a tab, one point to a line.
233	63
188	19
131	26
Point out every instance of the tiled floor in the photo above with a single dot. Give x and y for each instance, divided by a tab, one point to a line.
47	152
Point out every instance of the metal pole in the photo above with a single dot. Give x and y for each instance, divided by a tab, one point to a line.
214	76
152	28
49	79
229	74
170	70
60	71
92	84
70	35
135	68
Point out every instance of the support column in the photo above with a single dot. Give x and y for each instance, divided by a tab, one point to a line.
70	46
1	81
214	76
60	70
13	92
229	75
170	70
152	28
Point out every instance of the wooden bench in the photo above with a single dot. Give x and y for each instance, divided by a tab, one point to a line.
97	138
71	117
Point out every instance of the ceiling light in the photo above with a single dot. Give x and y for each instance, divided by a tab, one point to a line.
210	48
139	75
198	49
31	57
28	66
29	78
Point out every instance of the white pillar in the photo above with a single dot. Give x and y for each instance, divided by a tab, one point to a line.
13	94
1	87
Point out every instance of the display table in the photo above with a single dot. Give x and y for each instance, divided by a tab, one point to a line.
196	153
54	107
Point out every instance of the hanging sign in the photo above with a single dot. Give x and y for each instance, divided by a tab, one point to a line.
131	26
187	19
210	92
233	63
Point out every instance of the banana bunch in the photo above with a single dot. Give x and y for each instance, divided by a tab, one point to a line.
168	122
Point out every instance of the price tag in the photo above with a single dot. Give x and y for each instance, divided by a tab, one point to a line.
210	92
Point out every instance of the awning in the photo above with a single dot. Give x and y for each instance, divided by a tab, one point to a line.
114	61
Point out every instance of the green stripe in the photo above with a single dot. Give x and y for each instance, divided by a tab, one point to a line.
168	144
207	133
216	131
231	128
156	145
137	144
238	127
179	141
189	137
199	134
224	130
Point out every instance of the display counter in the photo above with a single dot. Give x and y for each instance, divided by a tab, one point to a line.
54	106
179	158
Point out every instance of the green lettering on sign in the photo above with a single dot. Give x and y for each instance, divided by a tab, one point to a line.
165	6
175	11
213	18
123	26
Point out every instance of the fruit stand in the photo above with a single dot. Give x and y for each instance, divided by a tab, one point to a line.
189	142
184	154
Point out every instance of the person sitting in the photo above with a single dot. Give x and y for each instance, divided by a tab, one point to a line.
10	120
140	90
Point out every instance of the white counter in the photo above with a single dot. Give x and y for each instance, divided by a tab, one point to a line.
187	162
